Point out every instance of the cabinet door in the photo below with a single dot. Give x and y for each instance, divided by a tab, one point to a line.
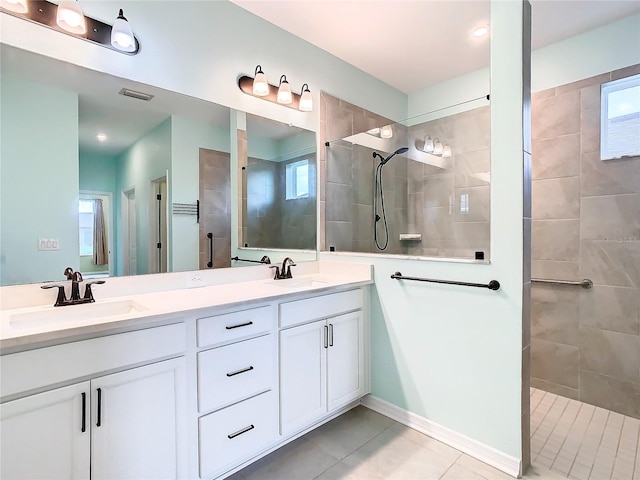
42	435
345	363
303	377
136	423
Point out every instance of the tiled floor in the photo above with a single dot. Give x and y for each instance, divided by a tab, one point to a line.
364	445
581	441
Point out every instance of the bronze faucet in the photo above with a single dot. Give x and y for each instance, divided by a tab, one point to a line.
75	299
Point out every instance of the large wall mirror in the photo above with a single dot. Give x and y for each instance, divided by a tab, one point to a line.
109	182
279	177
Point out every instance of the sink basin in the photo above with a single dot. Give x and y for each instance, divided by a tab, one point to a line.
298	283
73	314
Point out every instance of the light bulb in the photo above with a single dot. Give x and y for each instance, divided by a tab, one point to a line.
101	137
18	6
284	91
306	100
70	17
437	149
386	132
481	31
428	144
121	35
446	151
260	84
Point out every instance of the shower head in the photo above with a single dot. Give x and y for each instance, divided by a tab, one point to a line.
385	160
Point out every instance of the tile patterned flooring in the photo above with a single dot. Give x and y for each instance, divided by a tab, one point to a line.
581	441
364	445
569	439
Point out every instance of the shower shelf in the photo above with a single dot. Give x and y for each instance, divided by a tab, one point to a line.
410	237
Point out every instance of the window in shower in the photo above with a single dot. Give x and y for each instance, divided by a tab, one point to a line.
620	118
297	178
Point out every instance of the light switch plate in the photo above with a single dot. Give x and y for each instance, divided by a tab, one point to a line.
48	244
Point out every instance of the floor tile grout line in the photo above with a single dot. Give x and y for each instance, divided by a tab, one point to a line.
451	466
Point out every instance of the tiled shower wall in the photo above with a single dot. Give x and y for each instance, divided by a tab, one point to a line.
272	221
586	224
422	197
215	206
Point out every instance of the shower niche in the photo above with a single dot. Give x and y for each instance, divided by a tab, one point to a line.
420	187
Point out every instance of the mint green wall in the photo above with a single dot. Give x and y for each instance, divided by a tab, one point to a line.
145	161
38	181
187	138
261	147
98	172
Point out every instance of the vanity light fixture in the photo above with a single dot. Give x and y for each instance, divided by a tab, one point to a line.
386	132
437	148
121	34
306	100
67	17
284	91
260	84
17	6
428	144
282	94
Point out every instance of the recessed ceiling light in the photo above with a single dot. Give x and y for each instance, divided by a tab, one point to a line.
101	137
481	31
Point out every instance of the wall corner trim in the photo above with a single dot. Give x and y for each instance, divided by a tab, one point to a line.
480	451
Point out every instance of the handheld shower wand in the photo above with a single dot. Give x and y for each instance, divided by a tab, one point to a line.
378	192
384	160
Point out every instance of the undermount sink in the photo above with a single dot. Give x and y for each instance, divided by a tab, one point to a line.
73	313
298	283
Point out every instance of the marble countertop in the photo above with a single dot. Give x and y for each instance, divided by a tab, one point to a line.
34	327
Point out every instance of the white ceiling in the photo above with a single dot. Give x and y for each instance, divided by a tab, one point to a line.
412	44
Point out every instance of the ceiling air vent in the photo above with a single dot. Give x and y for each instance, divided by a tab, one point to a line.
133	94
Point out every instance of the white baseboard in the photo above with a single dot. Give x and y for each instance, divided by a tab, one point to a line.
480	451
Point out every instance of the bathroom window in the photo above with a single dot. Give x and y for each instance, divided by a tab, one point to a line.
620	118
297	178
85	211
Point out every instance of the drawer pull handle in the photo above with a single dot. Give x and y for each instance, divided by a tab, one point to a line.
240	432
326	337
238	372
331	334
239	325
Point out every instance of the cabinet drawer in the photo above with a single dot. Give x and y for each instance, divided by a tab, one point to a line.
231	373
301	311
38	368
237	433
234	326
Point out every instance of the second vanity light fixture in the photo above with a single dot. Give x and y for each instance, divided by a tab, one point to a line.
282	94
436	147
67	17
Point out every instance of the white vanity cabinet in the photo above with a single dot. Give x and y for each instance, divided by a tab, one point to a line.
237	387
125	425
42	436
322	362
